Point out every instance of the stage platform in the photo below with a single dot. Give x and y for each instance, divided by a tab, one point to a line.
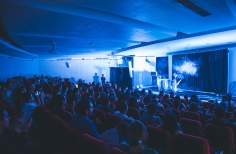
181	92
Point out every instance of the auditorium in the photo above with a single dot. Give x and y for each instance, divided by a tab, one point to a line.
118	77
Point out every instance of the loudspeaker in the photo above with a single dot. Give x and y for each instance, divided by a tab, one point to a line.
68	64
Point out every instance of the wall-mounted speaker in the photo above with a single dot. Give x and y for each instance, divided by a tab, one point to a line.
68	65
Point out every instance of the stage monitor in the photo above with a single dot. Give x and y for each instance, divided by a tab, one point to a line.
153	73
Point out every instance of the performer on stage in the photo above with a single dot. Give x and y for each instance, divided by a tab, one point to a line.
103	79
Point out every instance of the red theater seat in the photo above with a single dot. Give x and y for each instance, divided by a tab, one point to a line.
187	144
115	150
177	114
92	145
191	127
134	113
159	138
112	120
191	115
220	138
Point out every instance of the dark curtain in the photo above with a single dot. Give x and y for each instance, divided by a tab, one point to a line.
212	71
162	67
120	76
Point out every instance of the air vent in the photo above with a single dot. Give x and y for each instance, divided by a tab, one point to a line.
194	7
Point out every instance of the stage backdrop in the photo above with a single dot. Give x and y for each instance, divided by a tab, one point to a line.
207	71
162	67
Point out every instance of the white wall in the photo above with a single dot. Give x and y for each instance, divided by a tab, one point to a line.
79	69
142	70
232	71
232	64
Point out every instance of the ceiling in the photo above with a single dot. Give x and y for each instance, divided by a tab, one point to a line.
97	28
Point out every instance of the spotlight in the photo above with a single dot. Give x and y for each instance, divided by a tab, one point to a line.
141	86
137	86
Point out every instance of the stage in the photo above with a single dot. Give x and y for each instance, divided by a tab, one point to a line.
181	92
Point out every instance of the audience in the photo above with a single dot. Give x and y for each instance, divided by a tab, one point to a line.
75	106
149	118
82	121
137	138
113	137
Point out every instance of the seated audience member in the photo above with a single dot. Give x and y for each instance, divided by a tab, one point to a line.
59	108
172	95
19	143
229	99
193	107
29	105
186	99
18	97
81	121
137	137
72	102
166	99
122	109
104	106
195	99
150	118
224	103
113	137
161	94
112	97
211	109
177	105
220	119
170	123
133	102
155	100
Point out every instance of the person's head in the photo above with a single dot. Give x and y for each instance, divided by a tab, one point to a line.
166	97
147	99
105	102
122	106
177	97
60	101
161	93
73	101
4	119
172	94
102	75
224	98
85	108
151	108
27	97
112	97
154	96
176	103
211	107
137	136
123	128
133	100
229	97
170	122
219	111
193	107
64	88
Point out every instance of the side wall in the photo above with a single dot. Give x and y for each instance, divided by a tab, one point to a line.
79	69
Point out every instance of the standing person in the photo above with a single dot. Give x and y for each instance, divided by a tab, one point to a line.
103	79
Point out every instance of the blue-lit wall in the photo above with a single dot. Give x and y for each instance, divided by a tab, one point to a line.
232	66
79	69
